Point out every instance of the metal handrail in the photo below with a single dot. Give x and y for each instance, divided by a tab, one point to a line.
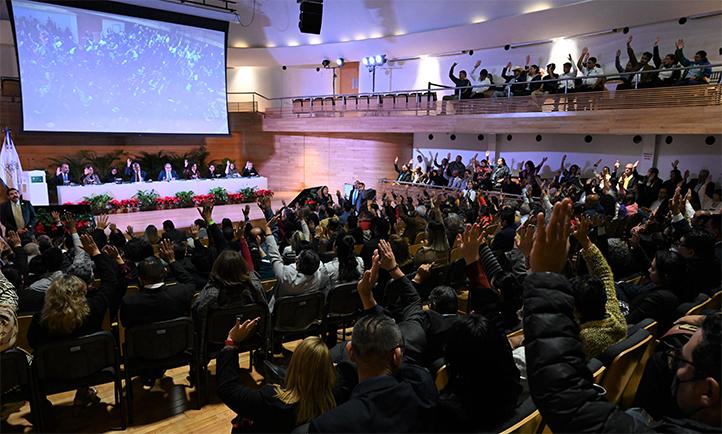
442	86
583	77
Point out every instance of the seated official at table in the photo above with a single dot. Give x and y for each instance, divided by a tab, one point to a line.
191	170
90	178
249	170
63	176
134	173
213	172
113	176
231	170
168	174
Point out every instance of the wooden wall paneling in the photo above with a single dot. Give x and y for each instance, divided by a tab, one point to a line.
662	120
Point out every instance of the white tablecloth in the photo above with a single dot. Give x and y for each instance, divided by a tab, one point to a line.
75	193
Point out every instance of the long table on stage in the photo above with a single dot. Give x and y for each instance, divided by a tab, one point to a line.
126	190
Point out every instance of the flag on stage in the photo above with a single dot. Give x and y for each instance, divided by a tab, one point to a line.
10	166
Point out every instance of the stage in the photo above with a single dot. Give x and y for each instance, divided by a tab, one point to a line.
183	217
126	190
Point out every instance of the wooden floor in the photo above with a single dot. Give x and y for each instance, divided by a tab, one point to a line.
169	407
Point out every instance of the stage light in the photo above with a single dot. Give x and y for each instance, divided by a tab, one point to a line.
372	61
365	61
325	63
340	62
380	59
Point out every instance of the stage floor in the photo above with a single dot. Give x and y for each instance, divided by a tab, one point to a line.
184	217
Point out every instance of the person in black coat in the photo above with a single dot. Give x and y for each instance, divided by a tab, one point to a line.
504	240
394	394
560	383
171	233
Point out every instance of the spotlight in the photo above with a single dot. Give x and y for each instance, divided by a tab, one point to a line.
325	63
372	61
340	62
380	59
365	61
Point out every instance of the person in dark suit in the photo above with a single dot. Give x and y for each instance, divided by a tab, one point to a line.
354	230
63	176
134	173
393	394
171	233
156	301
504	240
168	174
249	170
18	215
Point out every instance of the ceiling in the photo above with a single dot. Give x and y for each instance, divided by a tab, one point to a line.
399	28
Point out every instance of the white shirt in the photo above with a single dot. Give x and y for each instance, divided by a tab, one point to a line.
594	71
480	86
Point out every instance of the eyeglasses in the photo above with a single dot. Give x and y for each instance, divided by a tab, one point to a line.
674	359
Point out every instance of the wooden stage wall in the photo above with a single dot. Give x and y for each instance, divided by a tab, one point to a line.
290	160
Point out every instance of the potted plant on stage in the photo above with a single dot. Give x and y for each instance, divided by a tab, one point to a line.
115	206
220	195
129	205
98	202
186	198
147	199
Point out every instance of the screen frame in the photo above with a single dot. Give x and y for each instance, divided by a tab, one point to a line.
134	11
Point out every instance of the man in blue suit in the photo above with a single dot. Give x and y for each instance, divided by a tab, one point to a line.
168	174
17	215
358	197
134	173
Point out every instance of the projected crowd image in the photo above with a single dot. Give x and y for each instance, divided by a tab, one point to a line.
83	71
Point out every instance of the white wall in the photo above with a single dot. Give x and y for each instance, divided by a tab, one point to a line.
691	150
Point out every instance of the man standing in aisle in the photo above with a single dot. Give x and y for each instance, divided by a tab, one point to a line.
17	215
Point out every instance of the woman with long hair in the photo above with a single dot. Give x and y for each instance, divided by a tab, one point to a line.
191	170
324	197
231	283
308	391
483	386
151	234
400	247
436	249
346	266
231	171
68	314
213	172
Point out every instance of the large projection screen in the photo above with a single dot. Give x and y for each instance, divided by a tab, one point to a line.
90	71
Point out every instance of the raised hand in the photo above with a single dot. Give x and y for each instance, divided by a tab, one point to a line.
129	230
570	58
675	163
396	160
368	280
585	50
129	162
686	174
112	251
525	238
101	222
165	248
387	261
679	44
193	231
616	165
581	232
423	272
69	222
239	332
88	244
528	59
454	65
656	40
629	41
246	211
551	244
13	239
634	238
113	227
636	163
58	171
478	62
270	223
470	241
508	65
619	53
56	216
206	211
